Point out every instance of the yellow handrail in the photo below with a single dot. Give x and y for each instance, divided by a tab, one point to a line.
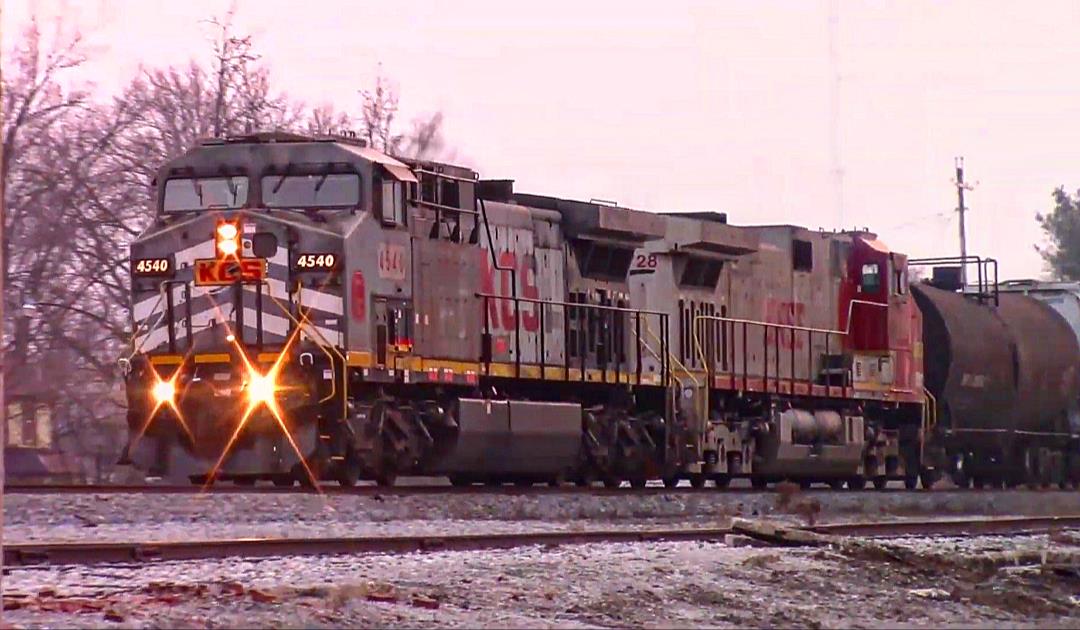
344	362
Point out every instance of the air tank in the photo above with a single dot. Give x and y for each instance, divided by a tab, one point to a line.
1013	366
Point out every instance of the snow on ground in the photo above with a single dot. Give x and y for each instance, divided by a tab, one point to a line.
603	585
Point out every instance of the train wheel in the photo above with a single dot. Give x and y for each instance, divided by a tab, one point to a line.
244	481
856	483
671	482
284	481
347	474
911	482
722	481
523	483
836	484
459	481
927	478
386	479
612	482
759	483
880	483
697	481
805	484
637	482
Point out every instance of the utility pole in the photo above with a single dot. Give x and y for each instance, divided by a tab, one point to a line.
960	188
3	398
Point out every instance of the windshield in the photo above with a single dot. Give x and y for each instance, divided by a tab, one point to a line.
328	190
204	193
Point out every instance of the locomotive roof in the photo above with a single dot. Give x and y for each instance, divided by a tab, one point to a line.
280	146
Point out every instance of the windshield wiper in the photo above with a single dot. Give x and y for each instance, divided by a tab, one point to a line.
281	180
198	189
322	180
233	188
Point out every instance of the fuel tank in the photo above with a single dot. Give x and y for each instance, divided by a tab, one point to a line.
1013	366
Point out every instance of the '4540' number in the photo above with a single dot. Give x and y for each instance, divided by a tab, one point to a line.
316	261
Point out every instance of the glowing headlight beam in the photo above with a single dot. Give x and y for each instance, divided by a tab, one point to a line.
227	231
261	389
163	391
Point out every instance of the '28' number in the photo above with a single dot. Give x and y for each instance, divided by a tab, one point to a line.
645	261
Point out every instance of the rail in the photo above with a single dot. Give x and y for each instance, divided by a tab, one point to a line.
728	346
91	553
600	331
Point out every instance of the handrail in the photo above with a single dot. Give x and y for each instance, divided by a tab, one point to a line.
767	325
929	420
304	324
673	358
610	337
620	309
344	362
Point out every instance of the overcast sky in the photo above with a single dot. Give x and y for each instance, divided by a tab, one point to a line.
713	105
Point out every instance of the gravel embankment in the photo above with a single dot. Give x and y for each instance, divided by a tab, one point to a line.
655	584
42	517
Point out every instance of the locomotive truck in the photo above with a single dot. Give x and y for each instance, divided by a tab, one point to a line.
309	308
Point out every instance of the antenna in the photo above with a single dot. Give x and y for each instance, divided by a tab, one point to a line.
834	108
960	188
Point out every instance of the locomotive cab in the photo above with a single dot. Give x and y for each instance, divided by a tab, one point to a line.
239	291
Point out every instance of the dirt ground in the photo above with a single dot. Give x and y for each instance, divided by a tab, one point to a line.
935	582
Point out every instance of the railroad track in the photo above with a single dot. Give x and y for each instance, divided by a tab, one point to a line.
405	490
86	553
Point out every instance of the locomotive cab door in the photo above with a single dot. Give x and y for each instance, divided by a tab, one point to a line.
393	321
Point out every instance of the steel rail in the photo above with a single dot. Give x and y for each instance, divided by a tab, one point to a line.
87	553
1001	525
402	490
30	554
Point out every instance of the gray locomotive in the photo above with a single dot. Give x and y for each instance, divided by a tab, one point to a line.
308	308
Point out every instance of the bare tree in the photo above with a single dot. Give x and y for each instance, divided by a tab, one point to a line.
378	121
324	119
378	111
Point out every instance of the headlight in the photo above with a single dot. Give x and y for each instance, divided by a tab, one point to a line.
227	248
261	389
227	231
164	391
228	243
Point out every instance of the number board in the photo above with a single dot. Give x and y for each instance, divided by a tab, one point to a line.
212	271
316	262
644	263
152	267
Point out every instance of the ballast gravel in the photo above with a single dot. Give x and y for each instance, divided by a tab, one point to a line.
596	586
72	517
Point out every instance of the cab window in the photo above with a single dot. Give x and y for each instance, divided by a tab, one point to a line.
313	190
204	193
870	281
389	200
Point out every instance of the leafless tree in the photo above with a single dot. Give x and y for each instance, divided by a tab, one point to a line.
378	113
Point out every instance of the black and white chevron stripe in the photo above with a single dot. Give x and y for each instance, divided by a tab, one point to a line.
218	303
